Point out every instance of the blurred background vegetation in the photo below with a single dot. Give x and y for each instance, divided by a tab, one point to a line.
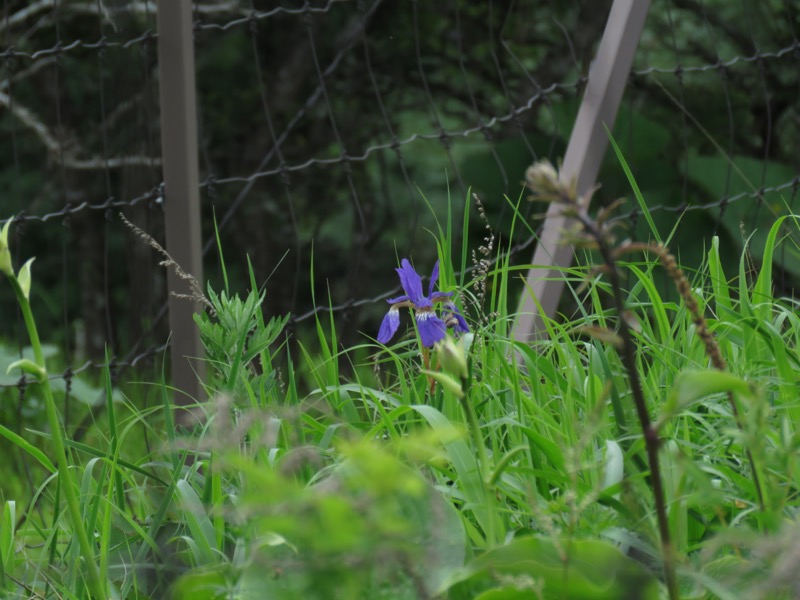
384	112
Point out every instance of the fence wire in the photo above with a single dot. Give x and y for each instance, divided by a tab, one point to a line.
317	123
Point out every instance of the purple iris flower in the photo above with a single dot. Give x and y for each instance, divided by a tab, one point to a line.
431	327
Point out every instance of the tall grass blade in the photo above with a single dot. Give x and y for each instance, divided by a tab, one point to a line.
635	186
27	447
203	538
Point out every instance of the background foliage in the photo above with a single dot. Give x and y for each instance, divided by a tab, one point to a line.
408	73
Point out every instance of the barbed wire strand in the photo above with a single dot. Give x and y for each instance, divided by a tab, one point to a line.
395	144
767	109
442	135
531	79
731	131
155	194
359	241
299	115
473	103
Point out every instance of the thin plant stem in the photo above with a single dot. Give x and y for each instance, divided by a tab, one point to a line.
544	180
651	439
96	587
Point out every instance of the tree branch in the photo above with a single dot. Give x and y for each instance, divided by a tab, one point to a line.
54	148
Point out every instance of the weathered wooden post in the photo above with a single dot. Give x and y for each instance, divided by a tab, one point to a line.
585	152
181	187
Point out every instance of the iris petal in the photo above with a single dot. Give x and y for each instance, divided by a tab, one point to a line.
412	284
398	299
431	328
436	295
434	278
389	325
460	326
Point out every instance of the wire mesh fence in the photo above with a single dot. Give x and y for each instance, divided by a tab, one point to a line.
333	134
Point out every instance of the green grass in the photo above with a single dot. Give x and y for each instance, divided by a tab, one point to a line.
513	482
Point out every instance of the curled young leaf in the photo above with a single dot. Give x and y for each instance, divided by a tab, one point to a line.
447	382
451	357
24	278
26	365
5	253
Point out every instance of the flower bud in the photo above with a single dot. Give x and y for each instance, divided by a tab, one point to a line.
542	179
4	234
448	383
5	253
24	278
451	357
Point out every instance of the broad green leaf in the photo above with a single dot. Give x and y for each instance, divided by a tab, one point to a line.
470	480
574	569
691	386
198	521
207	583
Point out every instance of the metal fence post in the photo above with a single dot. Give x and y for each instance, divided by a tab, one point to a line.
181	187
585	152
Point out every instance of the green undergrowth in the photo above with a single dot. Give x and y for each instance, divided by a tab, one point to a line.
524	476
